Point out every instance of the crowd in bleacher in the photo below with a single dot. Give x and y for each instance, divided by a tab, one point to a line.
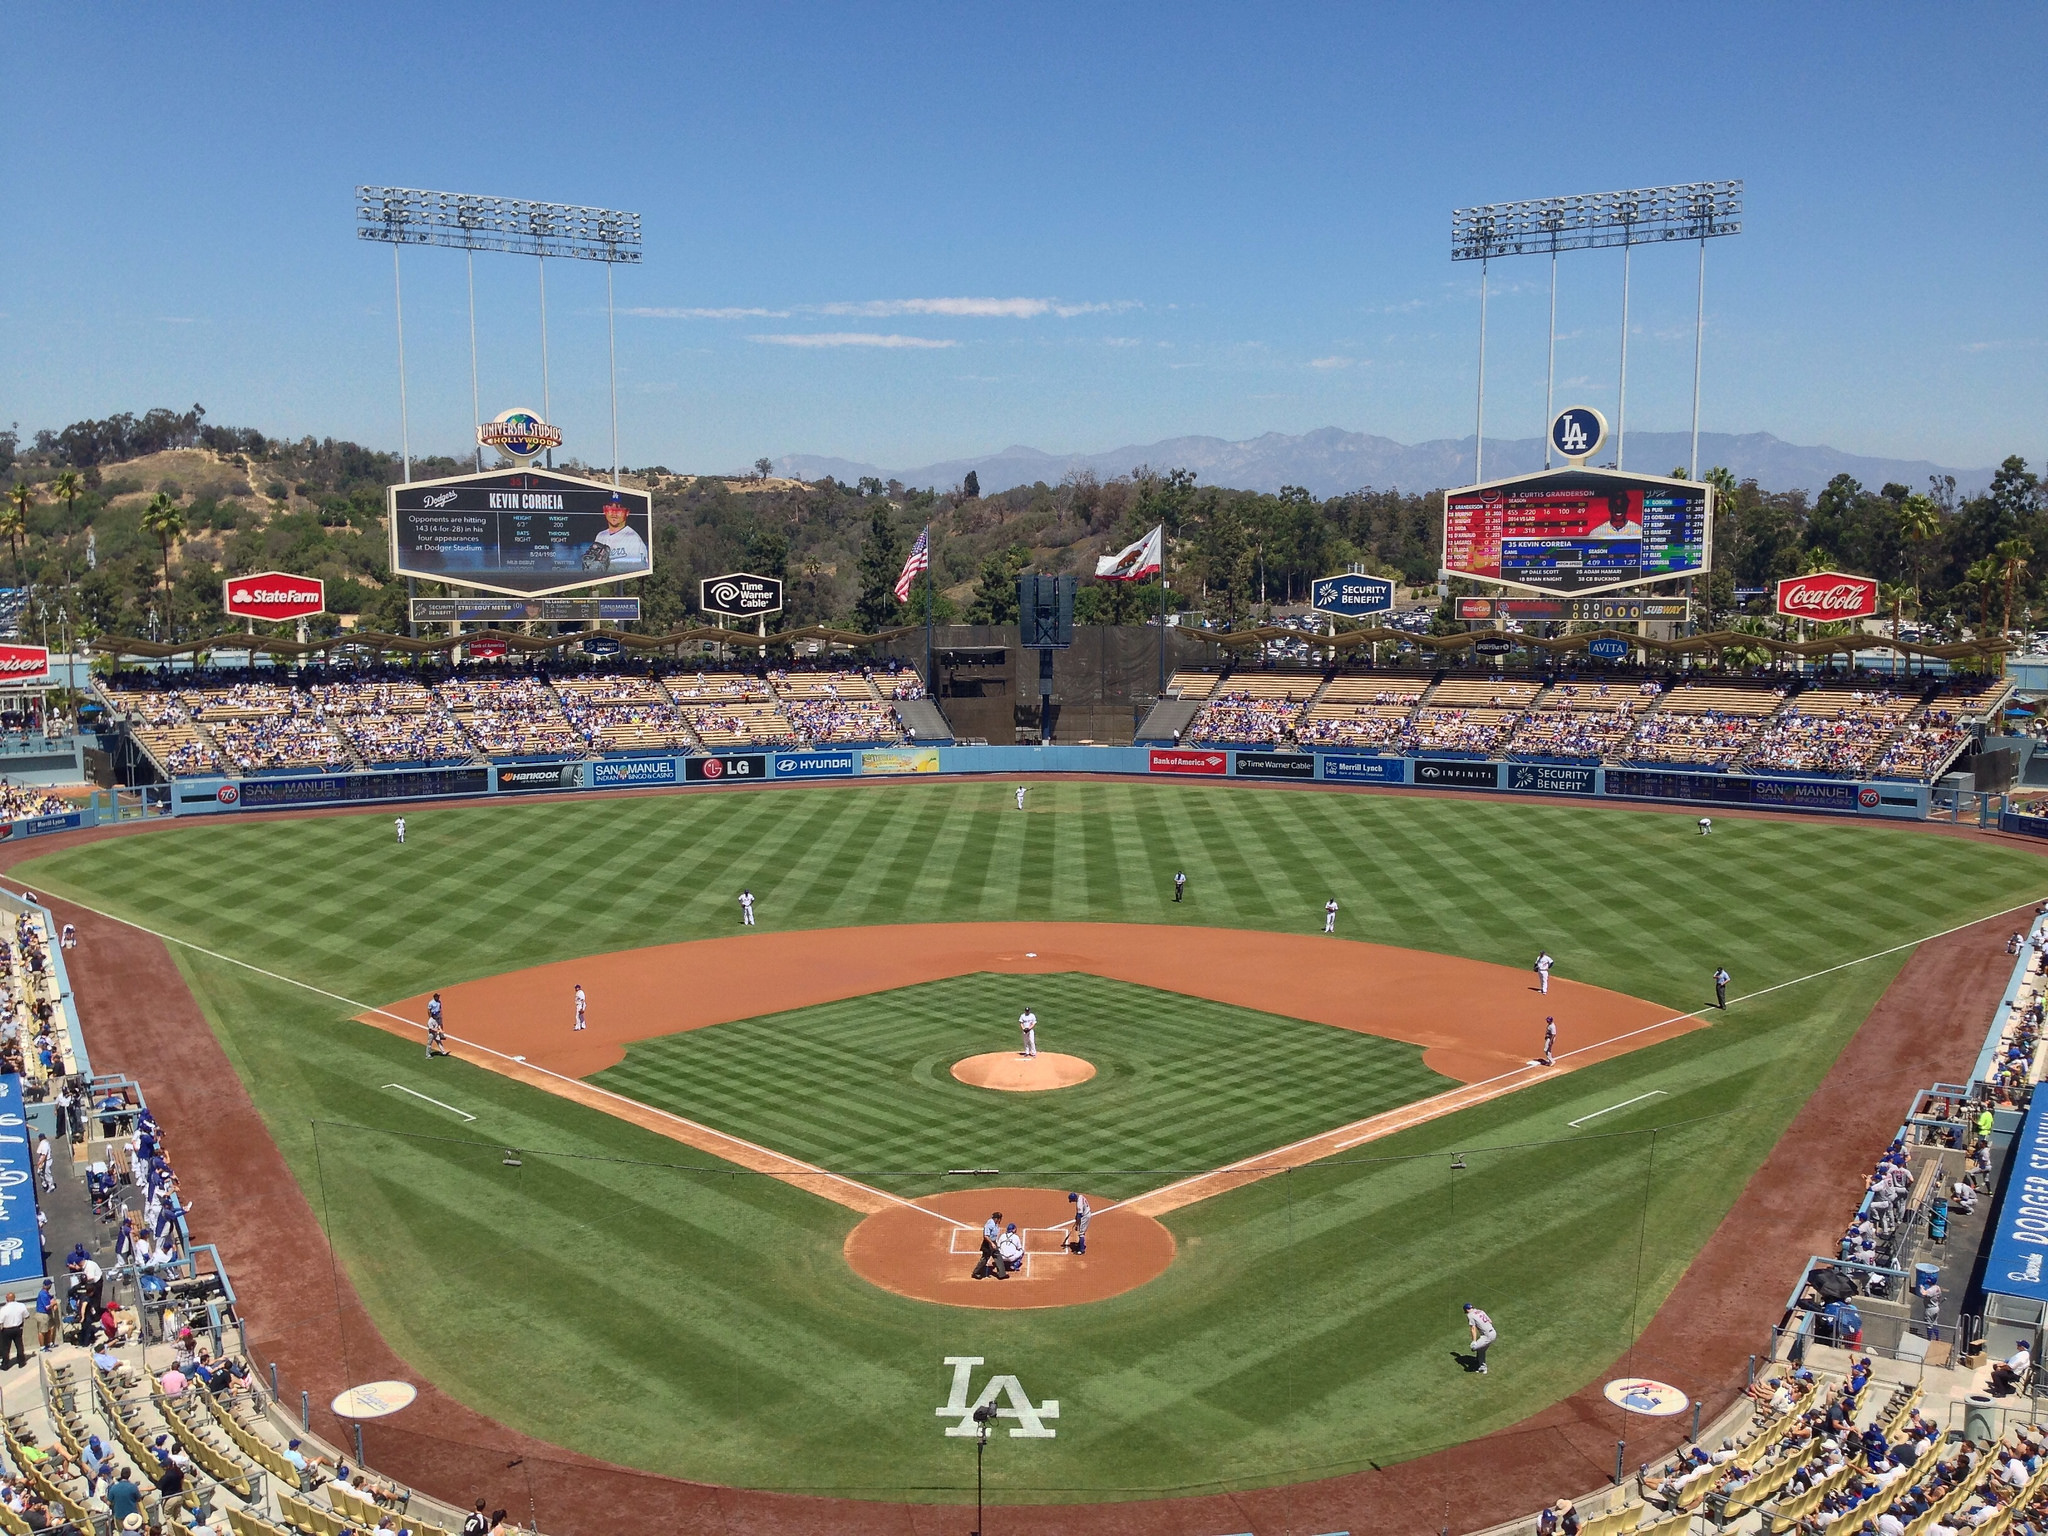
1583	735
17	802
1236	716
1924	745
1708	740
850	720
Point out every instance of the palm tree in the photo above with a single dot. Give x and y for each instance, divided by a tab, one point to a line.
164	521
1982	579
1894	595
1919	525
69	486
2012	565
14	524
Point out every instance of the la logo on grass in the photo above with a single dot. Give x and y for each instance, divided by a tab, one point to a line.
1030	1425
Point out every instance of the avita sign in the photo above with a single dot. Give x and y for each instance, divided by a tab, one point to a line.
1828	596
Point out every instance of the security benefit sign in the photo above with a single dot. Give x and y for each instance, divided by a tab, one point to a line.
1576	531
522	532
21	1246
1352	597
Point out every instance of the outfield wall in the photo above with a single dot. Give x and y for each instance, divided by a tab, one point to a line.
212	796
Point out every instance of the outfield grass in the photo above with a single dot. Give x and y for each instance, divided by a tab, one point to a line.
1181	1084
691	1319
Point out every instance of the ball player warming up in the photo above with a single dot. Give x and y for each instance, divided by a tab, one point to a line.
1330	915
746	909
1550	1042
401	831
1020	797
1706	826
1077	1240
1028	1022
579	1005
1482	1334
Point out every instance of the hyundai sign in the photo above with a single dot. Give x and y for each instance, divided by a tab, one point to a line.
1352	597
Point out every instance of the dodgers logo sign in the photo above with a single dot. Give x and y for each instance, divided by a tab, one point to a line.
1578	432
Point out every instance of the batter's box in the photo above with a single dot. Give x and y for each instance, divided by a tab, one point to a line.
965	1243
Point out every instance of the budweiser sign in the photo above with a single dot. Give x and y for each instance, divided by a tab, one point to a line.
1827	595
274	596
24	664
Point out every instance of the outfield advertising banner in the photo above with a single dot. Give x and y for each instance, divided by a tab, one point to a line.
1366	770
31	826
1456	775
718	770
1812	794
816	765
1551	778
341	789
1650	785
21	1243
528	776
1275	765
623	772
1181	760
900	760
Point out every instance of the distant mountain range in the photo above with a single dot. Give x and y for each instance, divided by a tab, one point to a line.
1331	461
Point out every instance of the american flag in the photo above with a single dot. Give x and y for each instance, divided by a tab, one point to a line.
920	560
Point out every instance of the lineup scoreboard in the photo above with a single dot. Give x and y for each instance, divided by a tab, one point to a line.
522	532
1578	531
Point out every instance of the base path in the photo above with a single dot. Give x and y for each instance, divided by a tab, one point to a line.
1012	1073
1473	1020
905	1251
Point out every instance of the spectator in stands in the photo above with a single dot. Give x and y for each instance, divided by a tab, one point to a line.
124	1500
2007	1374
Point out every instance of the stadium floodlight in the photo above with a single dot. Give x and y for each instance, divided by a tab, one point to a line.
1692	210
469	222
466	222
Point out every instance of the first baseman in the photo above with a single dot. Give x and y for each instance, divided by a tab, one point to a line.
579	1005
437	1035
1482	1334
1550	1042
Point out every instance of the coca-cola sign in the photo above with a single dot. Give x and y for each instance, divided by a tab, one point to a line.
274	596
1827	595
24	664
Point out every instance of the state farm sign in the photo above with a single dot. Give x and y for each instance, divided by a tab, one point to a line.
1828	596
24	664
274	596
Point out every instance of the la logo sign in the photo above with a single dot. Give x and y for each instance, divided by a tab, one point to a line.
1827	595
274	596
24	664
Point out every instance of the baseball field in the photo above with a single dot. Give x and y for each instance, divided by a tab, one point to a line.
583	1267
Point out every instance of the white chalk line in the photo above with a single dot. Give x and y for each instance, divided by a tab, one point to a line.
1654	1093
435	1102
1260	1162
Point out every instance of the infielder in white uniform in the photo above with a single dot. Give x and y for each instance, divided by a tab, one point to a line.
1482	1334
401	831
1543	964
579	1005
1028	1022
746	909
1020	797
1330	915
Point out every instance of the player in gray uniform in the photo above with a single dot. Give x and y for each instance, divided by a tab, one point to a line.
1078	1240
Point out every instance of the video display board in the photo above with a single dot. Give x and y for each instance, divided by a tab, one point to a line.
523	532
1578	531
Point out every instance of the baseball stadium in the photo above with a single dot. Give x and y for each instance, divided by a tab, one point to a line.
1300	984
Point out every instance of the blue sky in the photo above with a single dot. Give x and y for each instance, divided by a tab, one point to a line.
1190	219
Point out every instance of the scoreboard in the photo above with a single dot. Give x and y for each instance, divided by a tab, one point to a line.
521	532
1577	531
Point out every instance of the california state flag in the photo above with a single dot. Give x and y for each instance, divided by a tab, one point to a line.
1140	560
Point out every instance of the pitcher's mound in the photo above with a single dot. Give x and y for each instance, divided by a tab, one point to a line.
929	1250
1023	1074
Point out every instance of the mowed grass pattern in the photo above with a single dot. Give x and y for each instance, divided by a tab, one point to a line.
688	1318
1182	1084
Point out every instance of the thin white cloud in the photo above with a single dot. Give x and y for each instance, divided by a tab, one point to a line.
1121	341
2015	344
850	339
710	314
971	308
1331	362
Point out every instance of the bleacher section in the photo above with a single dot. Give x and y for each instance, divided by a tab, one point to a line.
625	714
512	717
1255	707
389	724
1840	732
1702	725
1365	711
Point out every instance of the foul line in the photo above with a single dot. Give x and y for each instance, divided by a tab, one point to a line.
1259	1166
1654	1093
797	1167
435	1102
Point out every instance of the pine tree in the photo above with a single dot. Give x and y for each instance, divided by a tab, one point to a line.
881	561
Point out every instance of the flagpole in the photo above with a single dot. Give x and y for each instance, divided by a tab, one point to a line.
931	601
1162	617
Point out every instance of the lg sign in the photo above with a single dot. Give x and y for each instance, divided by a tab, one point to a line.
1827	595
274	596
